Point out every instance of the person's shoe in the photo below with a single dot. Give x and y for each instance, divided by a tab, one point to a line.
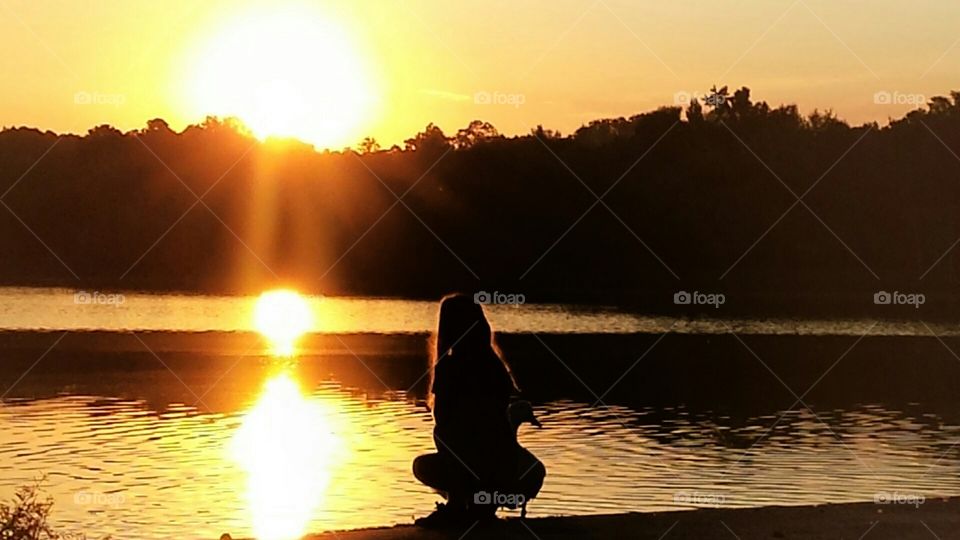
484	513
444	517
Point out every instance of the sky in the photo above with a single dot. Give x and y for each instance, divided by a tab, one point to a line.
391	67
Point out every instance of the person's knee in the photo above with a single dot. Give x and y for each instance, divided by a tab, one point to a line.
531	468
425	468
419	466
539	470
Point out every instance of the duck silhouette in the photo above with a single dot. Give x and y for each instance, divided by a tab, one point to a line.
530	470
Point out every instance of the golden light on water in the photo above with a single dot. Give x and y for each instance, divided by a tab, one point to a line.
282	316
291	71
288	447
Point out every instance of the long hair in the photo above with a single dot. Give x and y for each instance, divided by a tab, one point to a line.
463	332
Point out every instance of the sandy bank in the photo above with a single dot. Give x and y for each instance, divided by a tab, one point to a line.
938	518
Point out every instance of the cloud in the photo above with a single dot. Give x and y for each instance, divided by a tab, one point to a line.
448	96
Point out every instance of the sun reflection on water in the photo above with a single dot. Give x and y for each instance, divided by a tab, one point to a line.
282	316
288	448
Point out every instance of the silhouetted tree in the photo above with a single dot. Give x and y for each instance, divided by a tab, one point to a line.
695	112
157	125
368	145
718	101
687	188
476	132
543	134
104	130
430	139
825	121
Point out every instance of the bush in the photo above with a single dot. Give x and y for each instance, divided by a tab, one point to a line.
26	517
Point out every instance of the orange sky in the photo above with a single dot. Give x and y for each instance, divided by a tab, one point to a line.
516	64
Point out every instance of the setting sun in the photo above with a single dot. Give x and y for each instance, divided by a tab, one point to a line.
291	72
282	316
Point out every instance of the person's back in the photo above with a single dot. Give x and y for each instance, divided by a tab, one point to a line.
471	397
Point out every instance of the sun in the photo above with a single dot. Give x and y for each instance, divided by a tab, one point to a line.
282	316
285	72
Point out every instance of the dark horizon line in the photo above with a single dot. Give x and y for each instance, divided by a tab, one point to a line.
240	127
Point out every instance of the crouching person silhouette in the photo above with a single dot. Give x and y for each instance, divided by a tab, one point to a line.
479	465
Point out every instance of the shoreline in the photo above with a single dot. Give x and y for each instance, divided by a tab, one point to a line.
934	518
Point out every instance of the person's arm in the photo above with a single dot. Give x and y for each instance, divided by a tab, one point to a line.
441	398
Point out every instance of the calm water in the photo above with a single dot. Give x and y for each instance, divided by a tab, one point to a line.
277	447
62	309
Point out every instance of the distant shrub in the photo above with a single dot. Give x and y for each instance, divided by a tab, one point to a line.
26	517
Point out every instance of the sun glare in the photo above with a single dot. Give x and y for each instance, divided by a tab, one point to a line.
290	72
282	316
288	447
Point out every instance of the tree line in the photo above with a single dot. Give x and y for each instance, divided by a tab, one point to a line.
783	213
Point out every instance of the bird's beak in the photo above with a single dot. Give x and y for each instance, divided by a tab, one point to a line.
536	422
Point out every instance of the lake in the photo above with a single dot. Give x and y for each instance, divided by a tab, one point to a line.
154	416
63	309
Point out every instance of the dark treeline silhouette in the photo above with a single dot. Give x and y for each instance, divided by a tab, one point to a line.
698	200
